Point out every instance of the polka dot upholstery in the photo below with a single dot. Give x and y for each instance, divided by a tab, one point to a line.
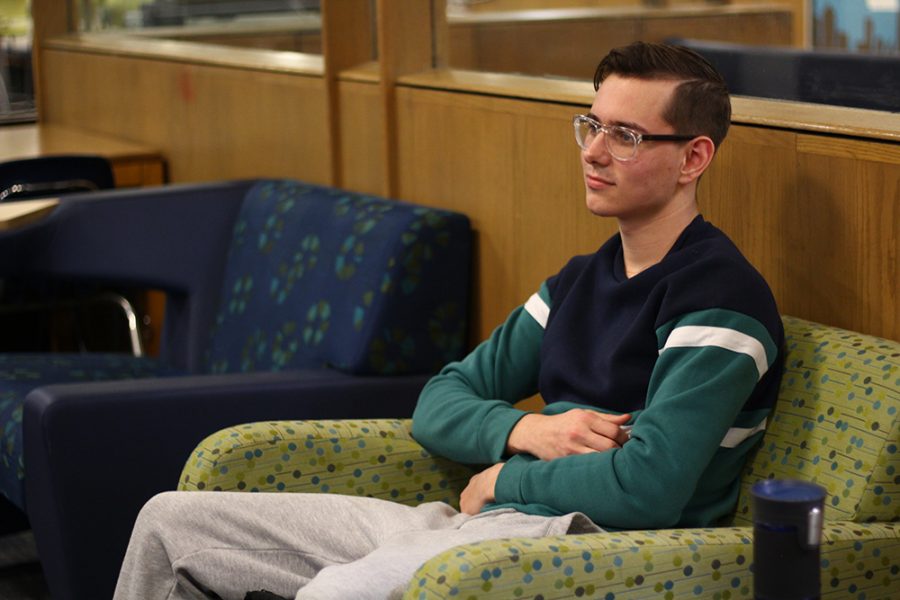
375	458
674	563
835	423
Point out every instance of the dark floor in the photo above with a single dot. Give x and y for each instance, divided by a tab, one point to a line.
20	572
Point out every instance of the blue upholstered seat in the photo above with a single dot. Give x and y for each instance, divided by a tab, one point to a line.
284	299
312	281
21	373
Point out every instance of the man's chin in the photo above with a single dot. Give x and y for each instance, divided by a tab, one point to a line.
599	206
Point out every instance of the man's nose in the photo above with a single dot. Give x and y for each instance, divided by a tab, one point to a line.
596	150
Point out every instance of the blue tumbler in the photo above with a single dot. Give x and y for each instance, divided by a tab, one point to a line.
787	533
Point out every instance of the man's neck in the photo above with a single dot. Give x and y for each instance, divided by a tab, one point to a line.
646	241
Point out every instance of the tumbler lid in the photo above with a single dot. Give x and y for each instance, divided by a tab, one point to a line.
790	504
788	490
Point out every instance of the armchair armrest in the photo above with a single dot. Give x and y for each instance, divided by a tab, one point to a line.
165	236
79	438
672	563
170	238
377	458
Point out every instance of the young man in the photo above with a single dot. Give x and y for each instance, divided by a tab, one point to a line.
658	357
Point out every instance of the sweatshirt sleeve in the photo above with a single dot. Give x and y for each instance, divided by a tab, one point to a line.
466	412
709	364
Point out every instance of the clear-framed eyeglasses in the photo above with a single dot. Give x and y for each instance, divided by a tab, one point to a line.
621	142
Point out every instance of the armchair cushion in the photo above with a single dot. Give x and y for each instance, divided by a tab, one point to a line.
834	423
377	458
18	376
673	563
319	277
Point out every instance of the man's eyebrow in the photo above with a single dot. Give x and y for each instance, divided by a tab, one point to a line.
627	124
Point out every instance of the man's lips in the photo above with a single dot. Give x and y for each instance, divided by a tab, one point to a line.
595	182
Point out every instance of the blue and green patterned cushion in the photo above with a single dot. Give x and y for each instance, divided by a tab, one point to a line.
318	277
859	562
835	423
377	458
21	373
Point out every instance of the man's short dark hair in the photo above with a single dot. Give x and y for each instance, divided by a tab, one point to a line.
700	104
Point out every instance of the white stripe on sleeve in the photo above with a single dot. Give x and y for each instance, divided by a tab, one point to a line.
722	337
538	309
733	437
736	435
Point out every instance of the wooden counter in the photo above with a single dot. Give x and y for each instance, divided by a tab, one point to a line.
133	164
14	215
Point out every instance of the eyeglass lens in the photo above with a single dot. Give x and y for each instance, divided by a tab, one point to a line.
620	142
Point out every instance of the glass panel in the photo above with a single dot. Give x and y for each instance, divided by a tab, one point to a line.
566	38
293	25
16	83
840	52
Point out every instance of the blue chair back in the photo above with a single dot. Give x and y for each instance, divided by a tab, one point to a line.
323	278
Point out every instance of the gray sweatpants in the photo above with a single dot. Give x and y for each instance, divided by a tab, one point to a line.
221	544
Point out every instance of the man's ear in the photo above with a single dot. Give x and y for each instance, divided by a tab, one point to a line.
698	153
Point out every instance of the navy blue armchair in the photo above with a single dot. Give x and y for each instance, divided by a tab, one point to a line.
283	301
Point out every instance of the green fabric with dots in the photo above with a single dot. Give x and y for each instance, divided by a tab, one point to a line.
835	423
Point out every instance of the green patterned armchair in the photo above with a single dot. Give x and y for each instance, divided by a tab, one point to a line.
835	424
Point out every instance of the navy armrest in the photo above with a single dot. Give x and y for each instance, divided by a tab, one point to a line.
97	452
170	238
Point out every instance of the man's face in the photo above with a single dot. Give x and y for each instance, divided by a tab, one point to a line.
641	188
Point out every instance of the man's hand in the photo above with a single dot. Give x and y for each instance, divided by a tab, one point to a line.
577	431
480	490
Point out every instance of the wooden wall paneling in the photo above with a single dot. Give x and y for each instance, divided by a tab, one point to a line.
347	31
50	18
361	137
210	122
822	223
513	167
552	223
409	35
746	192
849	209
274	125
449	151
139	173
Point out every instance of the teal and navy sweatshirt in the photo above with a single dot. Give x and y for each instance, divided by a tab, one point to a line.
690	347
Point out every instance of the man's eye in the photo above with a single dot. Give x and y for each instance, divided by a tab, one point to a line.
623	136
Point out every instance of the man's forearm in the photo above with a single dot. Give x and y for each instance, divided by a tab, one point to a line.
577	431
